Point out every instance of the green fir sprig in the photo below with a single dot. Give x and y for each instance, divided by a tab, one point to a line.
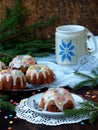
5	104
87	108
89	80
16	38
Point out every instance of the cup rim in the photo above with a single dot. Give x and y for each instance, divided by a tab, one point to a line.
70	28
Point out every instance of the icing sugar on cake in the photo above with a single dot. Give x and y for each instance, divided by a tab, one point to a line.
22	60
37	69
59	96
12	79
39	74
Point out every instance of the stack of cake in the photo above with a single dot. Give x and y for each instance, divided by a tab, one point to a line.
22	69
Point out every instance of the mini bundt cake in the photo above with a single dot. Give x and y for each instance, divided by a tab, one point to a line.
39	74
22	62
57	100
12	79
2	66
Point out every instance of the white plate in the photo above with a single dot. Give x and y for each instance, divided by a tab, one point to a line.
37	98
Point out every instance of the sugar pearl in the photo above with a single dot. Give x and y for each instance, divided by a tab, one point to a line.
11	122
5	117
52	98
94	96
87	92
9	128
82	123
15	117
10	115
11	100
60	103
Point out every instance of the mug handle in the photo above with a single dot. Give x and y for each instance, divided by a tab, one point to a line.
89	34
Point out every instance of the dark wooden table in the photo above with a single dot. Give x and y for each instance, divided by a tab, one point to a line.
19	124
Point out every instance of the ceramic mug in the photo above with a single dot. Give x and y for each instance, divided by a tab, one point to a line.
70	43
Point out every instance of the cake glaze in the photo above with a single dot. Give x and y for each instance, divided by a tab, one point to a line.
12	79
57	99
22	62
39	74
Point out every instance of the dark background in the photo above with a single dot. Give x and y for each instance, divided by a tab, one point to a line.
83	12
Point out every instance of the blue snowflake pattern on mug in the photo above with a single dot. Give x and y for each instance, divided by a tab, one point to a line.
66	50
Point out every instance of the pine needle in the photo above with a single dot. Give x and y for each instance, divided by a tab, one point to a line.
6	104
90	81
4	97
87	108
14	38
83	75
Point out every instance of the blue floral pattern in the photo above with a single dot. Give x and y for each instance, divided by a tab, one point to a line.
66	50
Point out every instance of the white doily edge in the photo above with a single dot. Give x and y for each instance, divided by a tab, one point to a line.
18	114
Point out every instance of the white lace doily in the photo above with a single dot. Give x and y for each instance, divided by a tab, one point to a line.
24	112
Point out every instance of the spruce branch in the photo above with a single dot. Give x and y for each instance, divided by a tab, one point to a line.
83	75
4	97
90	81
83	84
6	57
12	18
11	26
76	112
14	33
95	72
87	108
14	39
6	54
6	104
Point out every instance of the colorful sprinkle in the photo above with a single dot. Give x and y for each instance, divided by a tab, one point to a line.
3	71
53	93
11	100
24	100
58	97
94	96
17	104
62	95
11	122
14	103
9	128
87	95
10	115
60	103
87	92
33	93
38	90
5	117
15	117
63	99
52	98
82	123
